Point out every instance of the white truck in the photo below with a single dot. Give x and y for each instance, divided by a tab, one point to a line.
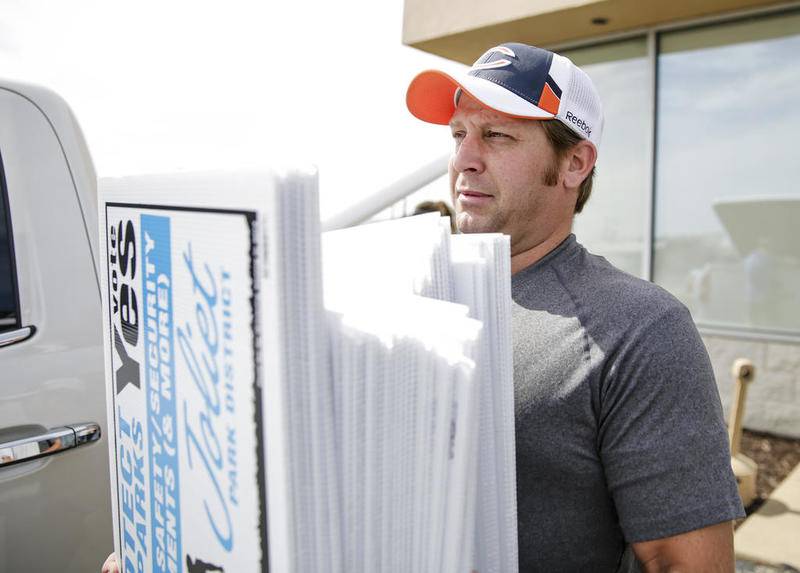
54	482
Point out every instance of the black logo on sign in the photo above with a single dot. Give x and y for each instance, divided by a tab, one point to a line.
200	566
124	303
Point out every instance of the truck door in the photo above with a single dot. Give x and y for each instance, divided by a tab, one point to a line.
54	496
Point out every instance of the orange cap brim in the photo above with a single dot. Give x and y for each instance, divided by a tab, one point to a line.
430	97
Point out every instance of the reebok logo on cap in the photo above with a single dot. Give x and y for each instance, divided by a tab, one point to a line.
582	125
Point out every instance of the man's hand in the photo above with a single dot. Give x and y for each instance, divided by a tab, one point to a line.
110	566
706	550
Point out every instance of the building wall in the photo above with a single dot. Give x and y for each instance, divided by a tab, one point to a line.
720	229
773	398
429	19
462	31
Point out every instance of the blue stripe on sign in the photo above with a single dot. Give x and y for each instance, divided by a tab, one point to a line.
161	400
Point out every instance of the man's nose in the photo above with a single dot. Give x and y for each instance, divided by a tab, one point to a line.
468	155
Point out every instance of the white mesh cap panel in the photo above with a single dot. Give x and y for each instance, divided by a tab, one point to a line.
580	107
561	72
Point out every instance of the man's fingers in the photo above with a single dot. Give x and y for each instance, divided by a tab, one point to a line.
110	566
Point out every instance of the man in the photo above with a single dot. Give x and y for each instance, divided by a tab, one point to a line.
622	454
440	207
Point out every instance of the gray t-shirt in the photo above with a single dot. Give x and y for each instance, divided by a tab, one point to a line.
619	429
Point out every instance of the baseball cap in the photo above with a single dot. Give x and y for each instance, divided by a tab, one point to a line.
516	80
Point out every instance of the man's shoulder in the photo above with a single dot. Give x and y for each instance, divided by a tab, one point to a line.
597	292
600	282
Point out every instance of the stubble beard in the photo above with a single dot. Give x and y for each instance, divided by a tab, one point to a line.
497	221
475	223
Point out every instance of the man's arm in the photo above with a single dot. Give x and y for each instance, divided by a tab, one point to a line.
665	449
706	550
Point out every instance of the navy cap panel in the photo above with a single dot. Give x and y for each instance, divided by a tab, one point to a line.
525	74
554	86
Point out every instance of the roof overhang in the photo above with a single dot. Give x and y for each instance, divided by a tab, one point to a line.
462	30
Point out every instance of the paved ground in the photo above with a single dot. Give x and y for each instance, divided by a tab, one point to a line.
772	533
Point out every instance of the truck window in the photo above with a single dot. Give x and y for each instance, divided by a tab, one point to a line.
9	312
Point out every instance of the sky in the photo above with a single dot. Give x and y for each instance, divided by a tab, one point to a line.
731	136
187	85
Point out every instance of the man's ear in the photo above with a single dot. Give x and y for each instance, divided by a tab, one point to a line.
579	162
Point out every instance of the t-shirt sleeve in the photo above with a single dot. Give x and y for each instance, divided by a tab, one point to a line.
662	437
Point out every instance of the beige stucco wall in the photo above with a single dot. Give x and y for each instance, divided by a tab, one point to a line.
429	19
463	30
773	399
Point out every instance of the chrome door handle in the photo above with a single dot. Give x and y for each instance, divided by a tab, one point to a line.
18	335
51	442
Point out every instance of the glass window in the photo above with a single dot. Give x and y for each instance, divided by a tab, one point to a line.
612	223
727	195
8	299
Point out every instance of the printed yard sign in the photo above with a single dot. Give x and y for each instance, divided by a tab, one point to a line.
185	406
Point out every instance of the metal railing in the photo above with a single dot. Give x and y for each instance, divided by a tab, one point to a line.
386	197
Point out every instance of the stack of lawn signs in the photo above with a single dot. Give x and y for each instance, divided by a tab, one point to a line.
220	406
471	523
482	275
406	375
381	260
253	427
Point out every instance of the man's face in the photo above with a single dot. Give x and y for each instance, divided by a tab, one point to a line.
501	175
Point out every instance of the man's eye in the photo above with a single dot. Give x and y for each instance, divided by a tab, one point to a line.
458	135
496	134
